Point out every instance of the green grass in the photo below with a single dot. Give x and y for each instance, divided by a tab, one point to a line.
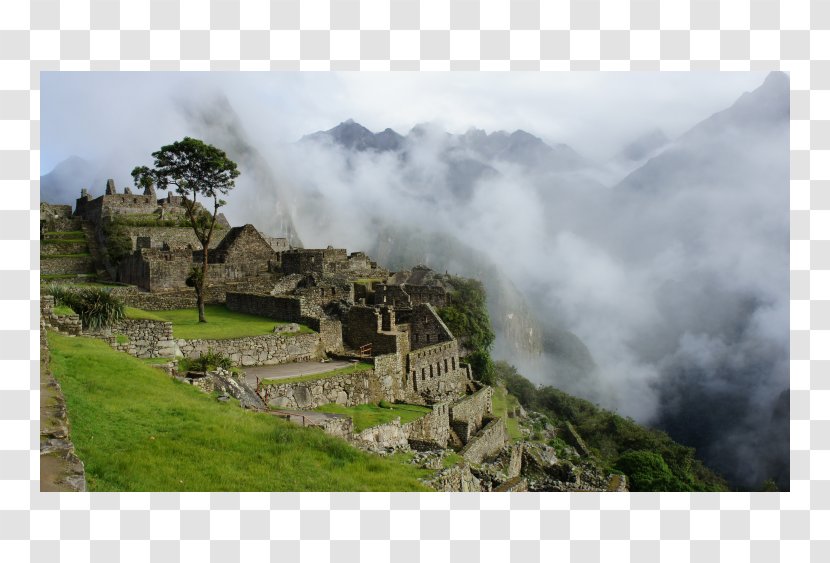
63	310
122	338
141	314
52	277
63	241
64	234
368	281
366	416
502	403
354	368
451	459
221	323
137	429
76	255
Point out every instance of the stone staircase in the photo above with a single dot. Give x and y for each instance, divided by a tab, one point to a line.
98	262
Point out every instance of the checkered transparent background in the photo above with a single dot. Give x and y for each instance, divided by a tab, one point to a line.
93	35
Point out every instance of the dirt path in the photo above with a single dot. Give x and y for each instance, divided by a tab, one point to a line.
290	370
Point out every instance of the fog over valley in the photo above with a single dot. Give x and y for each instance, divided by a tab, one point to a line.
631	229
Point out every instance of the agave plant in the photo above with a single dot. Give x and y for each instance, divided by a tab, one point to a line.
96	306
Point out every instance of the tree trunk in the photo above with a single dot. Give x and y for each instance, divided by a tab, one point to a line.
200	290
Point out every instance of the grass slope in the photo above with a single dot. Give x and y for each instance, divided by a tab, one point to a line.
502	402
366	416
222	323
138	430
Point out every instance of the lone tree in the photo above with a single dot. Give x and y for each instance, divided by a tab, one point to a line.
194	168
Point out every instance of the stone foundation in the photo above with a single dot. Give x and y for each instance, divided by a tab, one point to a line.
348	390
487	443
258	350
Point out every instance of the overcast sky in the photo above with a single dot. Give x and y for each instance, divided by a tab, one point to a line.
94	115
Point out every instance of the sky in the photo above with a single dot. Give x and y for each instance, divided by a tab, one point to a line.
92	115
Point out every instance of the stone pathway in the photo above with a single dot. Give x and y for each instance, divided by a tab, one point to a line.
281	371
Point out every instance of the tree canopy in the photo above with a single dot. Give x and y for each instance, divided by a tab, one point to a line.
195	168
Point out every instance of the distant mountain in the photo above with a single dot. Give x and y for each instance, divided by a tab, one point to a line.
643	146
354	136
518	147
714	151
62	185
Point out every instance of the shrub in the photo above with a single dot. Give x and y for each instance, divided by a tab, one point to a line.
96	306
118	242
482	366
384	405
648	472
205	362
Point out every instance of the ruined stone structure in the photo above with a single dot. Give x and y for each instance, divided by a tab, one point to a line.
328	261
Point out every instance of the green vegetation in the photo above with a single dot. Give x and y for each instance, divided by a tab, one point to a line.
614	439
64	235
119	244
467	317
648	471
97	307
354	368
141	314
75	255
51	241
53	277
122	338
195	168
137	429
205	362
451	459
63	311
368	281
224	324
366	416
503	403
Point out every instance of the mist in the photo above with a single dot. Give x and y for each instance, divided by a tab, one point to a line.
655	281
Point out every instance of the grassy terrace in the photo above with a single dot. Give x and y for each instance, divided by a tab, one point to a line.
64	235
222	324
502	402
366	416
65	240
76	255
137	429
63	310
354	368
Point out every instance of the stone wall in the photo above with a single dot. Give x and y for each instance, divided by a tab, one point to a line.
65	324
435	373
426	327
383	436
154	269
66	264
174	237
392	295
49	247
348	390
468	413
183	298
430	431
487	443
434	295
362	326
146	338
284	309
258	350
